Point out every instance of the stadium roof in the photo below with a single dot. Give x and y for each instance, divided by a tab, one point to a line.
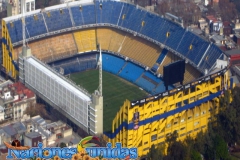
58	79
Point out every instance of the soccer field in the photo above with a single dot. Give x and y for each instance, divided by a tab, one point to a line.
115	91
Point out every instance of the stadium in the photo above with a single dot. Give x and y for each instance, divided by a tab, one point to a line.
136	44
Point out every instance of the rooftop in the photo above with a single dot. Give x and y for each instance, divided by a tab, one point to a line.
212	18
56	77
32	135
233	52
17	91
9	130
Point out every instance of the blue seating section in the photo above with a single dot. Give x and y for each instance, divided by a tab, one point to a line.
58	20
77	15
162	56
112	64
112	12
176	33
74	64
213	53
103	12
155	68
145	84
133	17
152	77
160	88
152	26
88	14
35	27
131	72
15	30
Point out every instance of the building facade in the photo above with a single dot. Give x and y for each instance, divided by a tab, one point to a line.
14	7
186	110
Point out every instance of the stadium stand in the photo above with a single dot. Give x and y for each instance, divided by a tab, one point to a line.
162	56
102	11
145	84
116	40
112	63
131	72
155	67
141	50
150	83
34	26
174	35
165	61
57	19
85	40
53	48
131	17
209	59
75	64
190	73
126	44
152	77
103	37
192	47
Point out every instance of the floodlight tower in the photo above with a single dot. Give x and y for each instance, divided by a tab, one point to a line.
96	107
23	23
100	71
24	48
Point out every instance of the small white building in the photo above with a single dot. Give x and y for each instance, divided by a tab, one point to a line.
1	113
14	7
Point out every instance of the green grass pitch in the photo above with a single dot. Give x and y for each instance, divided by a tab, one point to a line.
115	91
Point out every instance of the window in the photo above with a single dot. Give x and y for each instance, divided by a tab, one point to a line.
182	128
196	123
32	6
59	136
154	137
28	7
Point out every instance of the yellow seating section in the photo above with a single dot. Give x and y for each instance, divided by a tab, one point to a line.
166	61
52	48
190	72
104	36
118	41
85	40
127	44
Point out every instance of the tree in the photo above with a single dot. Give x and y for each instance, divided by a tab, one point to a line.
154	154
172	138
177	150
195	155
220	146
35	109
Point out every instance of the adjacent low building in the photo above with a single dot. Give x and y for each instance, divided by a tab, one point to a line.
14	99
